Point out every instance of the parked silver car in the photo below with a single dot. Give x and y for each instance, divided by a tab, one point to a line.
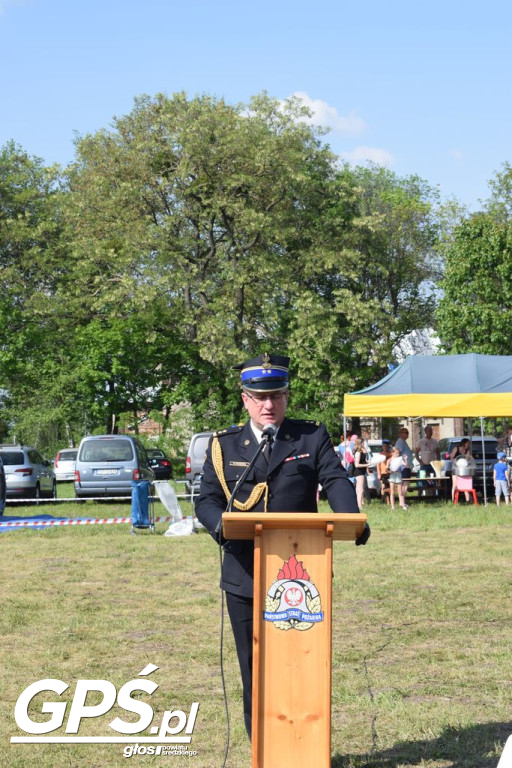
27	474
64	465
2	488
107	465
195	459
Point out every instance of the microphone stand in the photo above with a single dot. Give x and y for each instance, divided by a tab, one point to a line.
268	437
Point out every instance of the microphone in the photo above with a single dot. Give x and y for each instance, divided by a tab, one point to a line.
269	432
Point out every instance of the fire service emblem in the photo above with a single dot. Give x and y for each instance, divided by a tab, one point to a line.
293	601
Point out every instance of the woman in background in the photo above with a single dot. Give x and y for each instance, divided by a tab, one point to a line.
361	464
462	450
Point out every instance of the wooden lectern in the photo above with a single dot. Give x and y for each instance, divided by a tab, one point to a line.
291	700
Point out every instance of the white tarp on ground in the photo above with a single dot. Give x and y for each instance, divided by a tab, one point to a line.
179	526
167	496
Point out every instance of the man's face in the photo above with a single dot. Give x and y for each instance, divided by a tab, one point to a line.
404	434
265	409
428	432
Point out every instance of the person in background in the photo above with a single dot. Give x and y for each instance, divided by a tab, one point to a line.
383	471
427	451
505	444
403	446
349	450
501	478
396	464
365	437
348	458
462	450
361	464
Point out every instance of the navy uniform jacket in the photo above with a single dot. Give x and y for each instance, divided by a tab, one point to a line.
292	485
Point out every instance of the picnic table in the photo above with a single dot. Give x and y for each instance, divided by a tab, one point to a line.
430	487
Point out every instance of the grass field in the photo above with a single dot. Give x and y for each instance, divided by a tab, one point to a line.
422	672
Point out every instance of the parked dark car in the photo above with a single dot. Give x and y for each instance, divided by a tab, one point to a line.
159	463
489	446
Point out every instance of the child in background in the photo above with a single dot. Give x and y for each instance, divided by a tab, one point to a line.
501	478
383	472
396	463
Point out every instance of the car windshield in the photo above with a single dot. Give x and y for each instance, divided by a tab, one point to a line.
477	448
200	446
110	450
491	449
67	455
155	454
9	458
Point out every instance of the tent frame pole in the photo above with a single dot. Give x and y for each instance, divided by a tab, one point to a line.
483	459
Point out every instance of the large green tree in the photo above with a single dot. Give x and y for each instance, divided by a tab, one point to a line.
367	283
475	311
191	235
183	214
34	370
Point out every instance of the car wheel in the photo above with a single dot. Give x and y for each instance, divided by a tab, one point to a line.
37	493
53	492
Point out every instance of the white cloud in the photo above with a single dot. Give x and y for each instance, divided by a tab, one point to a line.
376	155
327	116
457	155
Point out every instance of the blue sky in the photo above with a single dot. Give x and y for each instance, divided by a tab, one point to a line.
423	88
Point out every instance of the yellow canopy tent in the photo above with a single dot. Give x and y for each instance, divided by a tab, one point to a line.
439	385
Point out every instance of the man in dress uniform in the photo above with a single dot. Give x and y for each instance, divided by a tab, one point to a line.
285	478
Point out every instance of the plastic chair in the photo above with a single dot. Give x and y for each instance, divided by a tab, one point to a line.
471	491
465	485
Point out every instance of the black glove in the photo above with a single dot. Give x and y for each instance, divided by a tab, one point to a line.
363	538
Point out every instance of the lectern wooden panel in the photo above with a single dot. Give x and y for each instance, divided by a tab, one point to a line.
292	632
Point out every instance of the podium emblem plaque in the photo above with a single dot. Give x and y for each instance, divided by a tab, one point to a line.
293	601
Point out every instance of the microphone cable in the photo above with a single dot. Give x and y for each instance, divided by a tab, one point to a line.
269	434
221	660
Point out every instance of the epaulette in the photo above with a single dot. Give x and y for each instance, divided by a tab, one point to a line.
229	431
310	421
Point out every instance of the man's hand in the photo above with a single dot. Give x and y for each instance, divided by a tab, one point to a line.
363	538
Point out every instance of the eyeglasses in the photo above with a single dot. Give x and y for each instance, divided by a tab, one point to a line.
275	397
